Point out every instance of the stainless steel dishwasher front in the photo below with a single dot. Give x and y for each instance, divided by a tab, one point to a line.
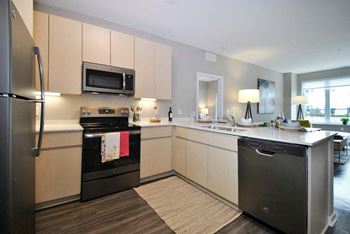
272	184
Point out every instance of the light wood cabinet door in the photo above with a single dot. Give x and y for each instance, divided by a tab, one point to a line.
196	162
162	82
96	44
222	173
144	68
58	173
25	9
65	55
180	156
122	50
41	39
155	156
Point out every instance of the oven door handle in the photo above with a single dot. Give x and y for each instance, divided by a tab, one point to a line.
92	135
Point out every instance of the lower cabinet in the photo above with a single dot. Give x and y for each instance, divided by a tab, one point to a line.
156	151
223	173
58	168
196	163
180	156
205	161
155	156
58	173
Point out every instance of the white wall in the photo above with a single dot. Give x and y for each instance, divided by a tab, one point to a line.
187	61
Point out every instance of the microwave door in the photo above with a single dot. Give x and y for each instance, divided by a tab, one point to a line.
103	81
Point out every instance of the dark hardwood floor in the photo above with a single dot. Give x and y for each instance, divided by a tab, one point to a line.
126	212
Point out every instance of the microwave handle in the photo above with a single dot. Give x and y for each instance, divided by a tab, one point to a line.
124	82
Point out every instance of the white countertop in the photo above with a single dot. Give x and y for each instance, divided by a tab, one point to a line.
272	134
60	126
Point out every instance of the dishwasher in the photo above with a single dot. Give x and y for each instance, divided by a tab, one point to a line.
272	181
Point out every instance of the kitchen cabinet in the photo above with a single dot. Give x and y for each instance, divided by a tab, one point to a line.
144	68
58	169
162	78
156	151
180	156
96	44
58	173
25	9
223	173
65	49
196	162
41	39
153	69
122	50
209	159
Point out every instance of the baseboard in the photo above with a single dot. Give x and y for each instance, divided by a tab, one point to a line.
56	202
153	178
332	220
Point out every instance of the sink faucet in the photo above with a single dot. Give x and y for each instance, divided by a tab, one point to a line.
230	118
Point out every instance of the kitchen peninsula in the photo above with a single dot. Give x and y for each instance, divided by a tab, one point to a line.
207	156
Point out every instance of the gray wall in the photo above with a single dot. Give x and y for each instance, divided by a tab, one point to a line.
187	61
289	91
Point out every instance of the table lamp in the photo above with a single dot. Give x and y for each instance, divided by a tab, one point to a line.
300	100
204	112
248	96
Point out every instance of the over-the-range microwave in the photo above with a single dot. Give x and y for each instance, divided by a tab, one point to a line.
98	78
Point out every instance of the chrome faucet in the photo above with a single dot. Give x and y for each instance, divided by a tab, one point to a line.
230	119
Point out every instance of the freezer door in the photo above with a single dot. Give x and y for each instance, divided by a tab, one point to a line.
17	54
17	166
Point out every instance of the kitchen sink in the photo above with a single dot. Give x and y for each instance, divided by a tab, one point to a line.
224	128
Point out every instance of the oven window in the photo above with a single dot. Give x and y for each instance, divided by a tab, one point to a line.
92	154
103	79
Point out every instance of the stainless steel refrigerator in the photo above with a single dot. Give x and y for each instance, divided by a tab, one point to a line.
18	148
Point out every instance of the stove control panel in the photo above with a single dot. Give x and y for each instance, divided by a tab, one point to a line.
103	112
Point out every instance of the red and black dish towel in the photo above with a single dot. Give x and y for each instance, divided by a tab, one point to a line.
114	145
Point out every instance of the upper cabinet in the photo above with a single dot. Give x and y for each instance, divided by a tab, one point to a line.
96	44
25	9
65	55
64	44
41	39
144	68
122	50
153	69
162	76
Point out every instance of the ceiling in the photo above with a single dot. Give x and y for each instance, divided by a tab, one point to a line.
283	35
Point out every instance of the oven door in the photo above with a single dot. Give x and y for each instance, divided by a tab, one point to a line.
92	166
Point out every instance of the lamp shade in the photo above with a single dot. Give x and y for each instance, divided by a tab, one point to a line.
300	100
248	95
204	111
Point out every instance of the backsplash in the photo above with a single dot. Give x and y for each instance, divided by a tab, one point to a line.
67	107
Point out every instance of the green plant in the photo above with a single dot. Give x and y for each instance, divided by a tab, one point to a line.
345	120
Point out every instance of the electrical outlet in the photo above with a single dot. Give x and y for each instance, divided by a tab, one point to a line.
179	111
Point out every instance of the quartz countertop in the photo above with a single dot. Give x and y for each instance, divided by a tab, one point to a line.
272	134
60	126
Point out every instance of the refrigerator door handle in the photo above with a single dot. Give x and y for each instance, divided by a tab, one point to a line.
41	101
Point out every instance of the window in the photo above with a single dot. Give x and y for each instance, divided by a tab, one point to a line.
329	100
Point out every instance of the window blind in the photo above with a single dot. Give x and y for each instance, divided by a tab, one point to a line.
326	83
